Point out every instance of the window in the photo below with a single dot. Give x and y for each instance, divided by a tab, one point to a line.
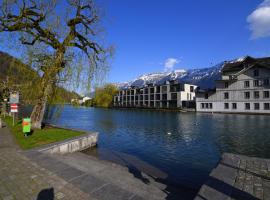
234	105
246	84
164	89
256	94
226	84
206	105
158	89
247	106
210	105
256	72
256	106
164	96
175	88
266	82
173	96
226	95
191	89
202	105
266	106
256	83
145	97
206	96
226	105
247	95
265	94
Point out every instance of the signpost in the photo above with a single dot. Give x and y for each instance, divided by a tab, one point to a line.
5	107
14	100
13	110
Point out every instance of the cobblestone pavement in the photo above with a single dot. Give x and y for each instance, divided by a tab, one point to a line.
22	179
238	177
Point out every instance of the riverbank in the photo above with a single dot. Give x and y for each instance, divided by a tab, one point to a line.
21	178
186	146
40	137
155	109
36	174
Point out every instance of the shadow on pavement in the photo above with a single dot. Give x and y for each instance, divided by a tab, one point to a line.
46	194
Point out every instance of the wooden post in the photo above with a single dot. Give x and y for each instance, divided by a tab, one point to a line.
13	118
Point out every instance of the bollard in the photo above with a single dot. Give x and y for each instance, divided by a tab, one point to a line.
26	125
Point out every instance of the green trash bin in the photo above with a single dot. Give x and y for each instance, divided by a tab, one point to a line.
26	126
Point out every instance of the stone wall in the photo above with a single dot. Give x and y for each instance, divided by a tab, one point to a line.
72	145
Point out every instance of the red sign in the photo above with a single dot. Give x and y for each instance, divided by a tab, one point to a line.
13	108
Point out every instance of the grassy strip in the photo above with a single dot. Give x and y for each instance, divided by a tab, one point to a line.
39	137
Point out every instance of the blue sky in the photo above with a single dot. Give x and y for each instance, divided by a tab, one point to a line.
158	35
186	34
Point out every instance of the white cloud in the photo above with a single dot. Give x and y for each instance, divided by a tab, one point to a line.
259	21
170	63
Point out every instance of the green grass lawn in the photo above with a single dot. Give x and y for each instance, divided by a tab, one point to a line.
38	137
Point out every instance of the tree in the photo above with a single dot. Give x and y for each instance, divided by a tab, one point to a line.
104	95
55	40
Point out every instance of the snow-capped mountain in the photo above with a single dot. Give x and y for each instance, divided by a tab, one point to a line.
204	77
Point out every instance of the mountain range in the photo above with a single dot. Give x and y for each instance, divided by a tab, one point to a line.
203	77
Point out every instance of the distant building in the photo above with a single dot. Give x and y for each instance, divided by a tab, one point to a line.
84	99
80	101
243	88
172	94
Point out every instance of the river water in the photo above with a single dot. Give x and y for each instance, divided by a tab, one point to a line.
184	146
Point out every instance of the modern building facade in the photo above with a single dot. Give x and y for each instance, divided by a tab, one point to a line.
243	88
172	94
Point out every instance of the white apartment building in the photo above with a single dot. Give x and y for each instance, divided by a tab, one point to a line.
244	88
172	94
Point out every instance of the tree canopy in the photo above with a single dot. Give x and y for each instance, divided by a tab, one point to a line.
61	47
104	95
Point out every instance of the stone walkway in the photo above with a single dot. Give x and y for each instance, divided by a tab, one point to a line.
22	179
26	175
238	177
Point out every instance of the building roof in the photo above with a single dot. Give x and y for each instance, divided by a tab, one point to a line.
238	66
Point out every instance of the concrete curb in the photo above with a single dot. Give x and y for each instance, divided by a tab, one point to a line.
78	143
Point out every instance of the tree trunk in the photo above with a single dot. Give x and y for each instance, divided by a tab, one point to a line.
39	109
48	81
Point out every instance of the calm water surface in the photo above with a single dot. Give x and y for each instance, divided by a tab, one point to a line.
189	153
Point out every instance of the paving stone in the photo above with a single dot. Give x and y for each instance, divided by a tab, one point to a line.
88	183
251	179
69	173
59	195
111	192
23	179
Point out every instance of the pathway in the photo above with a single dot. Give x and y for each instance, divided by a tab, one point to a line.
22	179
39	176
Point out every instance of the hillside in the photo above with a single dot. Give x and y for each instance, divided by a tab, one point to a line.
26	80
